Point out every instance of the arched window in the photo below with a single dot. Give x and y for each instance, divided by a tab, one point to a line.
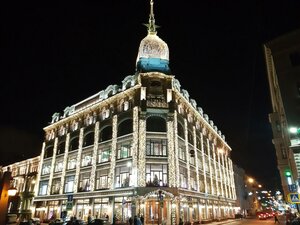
48	152
125	127
180	130
74	144
61	148
88	139
105	134
156	124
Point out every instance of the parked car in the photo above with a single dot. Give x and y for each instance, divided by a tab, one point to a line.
99	222
76	222
56	222
36	221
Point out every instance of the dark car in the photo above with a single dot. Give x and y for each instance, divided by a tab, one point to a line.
56	222
98	222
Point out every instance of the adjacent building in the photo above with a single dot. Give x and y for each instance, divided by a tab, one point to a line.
143	147
282	57
23	175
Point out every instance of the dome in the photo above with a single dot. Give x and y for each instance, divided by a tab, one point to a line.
153	47
153	52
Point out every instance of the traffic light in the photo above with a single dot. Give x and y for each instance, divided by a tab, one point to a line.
288	176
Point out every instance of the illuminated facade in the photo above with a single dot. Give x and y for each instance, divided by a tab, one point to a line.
24	175
142	147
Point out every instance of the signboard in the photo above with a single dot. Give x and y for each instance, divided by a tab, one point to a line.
292	188
69	206
294	197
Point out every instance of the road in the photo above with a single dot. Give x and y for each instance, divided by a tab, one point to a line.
269	221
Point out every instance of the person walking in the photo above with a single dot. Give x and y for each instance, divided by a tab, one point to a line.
276	219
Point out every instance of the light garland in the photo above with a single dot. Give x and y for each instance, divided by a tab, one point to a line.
111	181
78	162
171	154
203	162
36	188
65	164
220	173
196	158
138	157
52	166
187	155
177	180
94	157
141	153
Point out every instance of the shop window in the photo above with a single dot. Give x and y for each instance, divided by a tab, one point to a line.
156	175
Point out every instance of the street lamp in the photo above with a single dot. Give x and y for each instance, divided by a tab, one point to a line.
12	191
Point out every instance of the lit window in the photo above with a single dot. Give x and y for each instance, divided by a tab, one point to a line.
69	184
43	187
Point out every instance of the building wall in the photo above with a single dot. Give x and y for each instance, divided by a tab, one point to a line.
283	66
148	145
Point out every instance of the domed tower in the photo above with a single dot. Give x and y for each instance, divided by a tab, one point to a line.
153	55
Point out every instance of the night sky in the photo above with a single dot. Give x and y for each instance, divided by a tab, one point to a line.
53	56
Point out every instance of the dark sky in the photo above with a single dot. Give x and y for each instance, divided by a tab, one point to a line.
53	56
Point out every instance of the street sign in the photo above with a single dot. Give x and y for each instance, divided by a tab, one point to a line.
69	206
292	188
294	197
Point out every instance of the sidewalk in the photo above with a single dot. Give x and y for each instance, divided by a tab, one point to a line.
210	223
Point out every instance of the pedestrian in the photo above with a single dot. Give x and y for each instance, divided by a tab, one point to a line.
276	219
114	220
135	220
142	219
180	221
130	220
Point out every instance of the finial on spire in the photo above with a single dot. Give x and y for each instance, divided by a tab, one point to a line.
151	25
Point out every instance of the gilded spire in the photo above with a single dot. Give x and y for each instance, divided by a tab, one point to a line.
151	25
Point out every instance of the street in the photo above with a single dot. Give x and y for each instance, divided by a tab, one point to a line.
253	221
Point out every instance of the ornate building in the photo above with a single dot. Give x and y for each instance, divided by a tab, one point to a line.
24	175
143	147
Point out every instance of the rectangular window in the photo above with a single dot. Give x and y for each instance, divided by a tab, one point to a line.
192	159
183	177
102	179
55	186
69	184
123	176
43	187
156	175
58	166
156	147
46	168
193	181
72	162
124	150
182	152
86	159
104	155
84	182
